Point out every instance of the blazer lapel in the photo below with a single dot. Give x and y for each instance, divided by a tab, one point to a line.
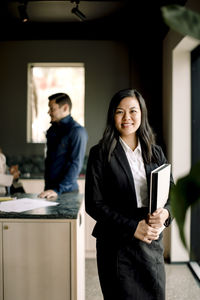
148	170
123	161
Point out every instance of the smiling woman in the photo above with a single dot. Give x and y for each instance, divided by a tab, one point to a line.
129	241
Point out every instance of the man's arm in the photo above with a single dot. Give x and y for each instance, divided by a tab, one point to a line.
75	162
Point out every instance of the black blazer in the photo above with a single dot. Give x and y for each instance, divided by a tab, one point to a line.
110	196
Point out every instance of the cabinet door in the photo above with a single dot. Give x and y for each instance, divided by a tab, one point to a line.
36	261
90	241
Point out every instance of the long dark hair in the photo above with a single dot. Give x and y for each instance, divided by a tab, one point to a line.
144	132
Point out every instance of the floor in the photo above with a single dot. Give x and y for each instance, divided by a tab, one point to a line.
180	284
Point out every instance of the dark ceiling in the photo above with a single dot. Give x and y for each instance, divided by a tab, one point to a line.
114	19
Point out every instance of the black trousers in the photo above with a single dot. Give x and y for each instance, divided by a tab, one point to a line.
132	270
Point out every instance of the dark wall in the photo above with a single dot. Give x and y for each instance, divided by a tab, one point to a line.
119	52
146	76
195	108
106	70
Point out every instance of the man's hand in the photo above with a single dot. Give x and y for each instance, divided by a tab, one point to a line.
48	194
146	233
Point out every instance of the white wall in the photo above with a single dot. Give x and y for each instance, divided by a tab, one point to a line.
177	120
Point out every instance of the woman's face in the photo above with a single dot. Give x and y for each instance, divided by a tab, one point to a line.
128	116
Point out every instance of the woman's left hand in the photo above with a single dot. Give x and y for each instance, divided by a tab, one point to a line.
158	217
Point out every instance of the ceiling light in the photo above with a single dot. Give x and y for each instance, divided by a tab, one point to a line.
22	12
77	12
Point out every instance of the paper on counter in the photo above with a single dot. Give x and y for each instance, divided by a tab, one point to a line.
24	204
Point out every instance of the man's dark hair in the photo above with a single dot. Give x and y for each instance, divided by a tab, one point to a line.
61	99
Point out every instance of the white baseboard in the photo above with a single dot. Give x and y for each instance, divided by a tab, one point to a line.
195	268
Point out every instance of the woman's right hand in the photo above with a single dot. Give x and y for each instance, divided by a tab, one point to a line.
146	233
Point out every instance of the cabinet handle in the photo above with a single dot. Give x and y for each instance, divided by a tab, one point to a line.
5	227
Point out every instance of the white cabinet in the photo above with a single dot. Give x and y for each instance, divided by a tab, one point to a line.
36	261
90	241
37	185
42	259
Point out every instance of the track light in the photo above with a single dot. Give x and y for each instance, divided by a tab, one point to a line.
77	12
22	12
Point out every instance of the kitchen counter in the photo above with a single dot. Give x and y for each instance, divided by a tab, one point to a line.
68	208
42	251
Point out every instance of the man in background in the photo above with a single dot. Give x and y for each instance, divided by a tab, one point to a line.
66	146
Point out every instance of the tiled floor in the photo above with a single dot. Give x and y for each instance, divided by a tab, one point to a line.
180	284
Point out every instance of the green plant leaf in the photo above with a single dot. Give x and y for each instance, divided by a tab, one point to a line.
184	194
182	20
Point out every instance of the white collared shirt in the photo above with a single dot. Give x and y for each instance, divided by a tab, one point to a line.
138	171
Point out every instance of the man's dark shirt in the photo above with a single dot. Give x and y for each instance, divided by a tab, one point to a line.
66	145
